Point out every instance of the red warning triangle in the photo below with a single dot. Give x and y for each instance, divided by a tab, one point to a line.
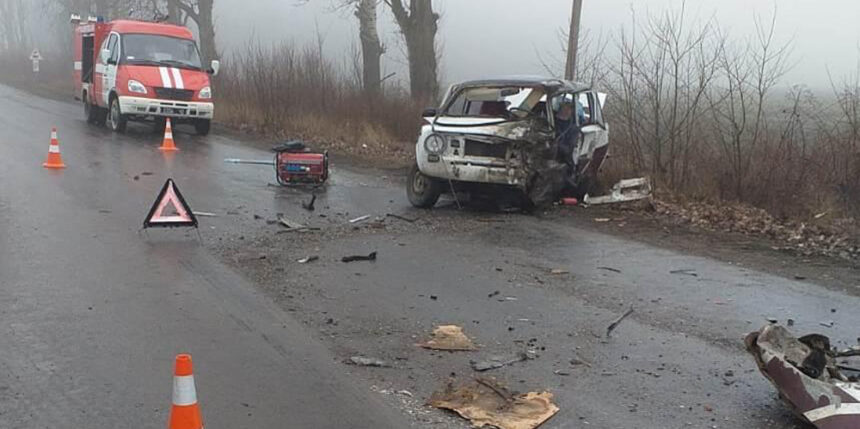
170	209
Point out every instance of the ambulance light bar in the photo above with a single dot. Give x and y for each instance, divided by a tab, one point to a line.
75	19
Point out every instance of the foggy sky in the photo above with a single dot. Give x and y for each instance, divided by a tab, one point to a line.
502	37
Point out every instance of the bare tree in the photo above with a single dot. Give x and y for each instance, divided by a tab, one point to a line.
419	24
738	103
199	11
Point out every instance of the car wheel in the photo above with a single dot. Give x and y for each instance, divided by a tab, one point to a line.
423	191
117	121
202	126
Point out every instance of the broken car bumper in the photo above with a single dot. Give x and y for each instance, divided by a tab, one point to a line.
168	108
474	170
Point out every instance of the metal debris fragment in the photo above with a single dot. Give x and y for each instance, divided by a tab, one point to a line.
805	374
617	322
308	259
360	219
623	191
370	258
495	362
365	361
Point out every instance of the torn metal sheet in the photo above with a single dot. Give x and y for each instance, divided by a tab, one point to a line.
449	337
805	374
485	402
624	191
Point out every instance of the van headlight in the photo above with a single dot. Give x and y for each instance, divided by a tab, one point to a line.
435	144
136	87
205	93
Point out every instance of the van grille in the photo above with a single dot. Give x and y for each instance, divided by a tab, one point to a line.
174	94
476	148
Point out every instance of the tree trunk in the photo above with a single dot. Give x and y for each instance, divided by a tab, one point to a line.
371	48
573	40
419	26
206	27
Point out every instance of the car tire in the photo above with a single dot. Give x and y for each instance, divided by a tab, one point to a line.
117	121
203	126
423	191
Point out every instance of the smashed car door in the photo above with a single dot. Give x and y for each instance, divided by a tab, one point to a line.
595	136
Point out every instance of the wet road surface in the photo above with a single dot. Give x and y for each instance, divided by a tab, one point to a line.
92	311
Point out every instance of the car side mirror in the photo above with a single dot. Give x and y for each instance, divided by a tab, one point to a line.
430	111
214	67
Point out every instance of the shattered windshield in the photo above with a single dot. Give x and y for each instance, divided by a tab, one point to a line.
498	102
149	49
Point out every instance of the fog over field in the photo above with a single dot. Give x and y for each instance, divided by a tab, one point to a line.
493	37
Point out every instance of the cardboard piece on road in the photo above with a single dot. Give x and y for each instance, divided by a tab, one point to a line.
485	402
170	209
450	338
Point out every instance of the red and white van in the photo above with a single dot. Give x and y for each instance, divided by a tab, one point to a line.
135	70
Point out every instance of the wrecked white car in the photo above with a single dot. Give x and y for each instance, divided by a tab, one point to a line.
535	136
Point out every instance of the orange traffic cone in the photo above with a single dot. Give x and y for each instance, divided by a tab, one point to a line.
168	145
185	414
54	158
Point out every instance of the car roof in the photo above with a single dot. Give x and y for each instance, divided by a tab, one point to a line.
552	85
126	26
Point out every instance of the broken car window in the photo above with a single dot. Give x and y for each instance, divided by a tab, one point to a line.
506	102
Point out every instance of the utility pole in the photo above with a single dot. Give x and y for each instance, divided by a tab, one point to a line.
573	40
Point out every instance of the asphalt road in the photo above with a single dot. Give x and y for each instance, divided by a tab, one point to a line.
92	312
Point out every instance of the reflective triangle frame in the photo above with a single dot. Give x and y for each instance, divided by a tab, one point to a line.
170	194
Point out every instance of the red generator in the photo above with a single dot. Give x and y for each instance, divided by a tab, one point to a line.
296	164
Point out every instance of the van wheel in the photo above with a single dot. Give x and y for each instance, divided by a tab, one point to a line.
202	126
423	191
94	114
117	121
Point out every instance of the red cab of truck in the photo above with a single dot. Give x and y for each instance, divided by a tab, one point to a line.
129	70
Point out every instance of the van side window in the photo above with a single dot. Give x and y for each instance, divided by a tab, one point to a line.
113	45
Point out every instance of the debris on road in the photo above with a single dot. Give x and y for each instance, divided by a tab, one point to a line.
617	322
450	338
246	161
371	362
205	214
495	362
360	219
403	218
807	377
559	272
614	270
309	259
569	201
485	402
290	224
623	191
685	272
310	205
370	258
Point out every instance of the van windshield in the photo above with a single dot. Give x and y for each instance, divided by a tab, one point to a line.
160	50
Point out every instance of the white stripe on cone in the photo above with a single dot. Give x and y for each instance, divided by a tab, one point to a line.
168	135
184	393
54	149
